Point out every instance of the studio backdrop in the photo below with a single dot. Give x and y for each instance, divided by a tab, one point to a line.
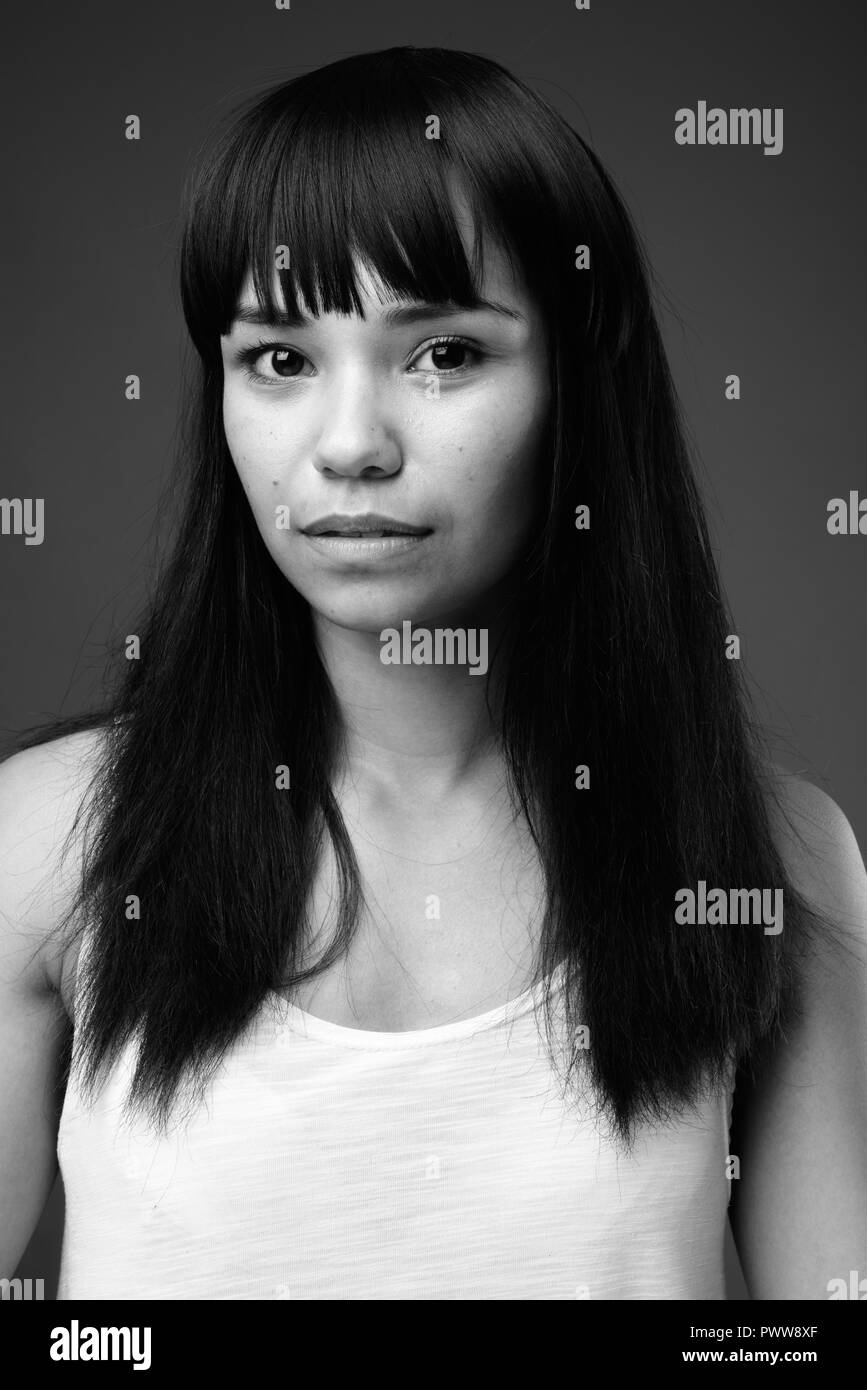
735	134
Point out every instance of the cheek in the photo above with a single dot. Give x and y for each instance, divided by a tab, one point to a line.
254	453
497	466
253	447
244	434
235	424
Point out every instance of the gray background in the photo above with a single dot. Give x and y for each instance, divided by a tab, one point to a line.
760	258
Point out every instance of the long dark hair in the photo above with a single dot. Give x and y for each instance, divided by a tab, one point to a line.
618	658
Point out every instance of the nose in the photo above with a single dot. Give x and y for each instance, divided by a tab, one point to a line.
356	440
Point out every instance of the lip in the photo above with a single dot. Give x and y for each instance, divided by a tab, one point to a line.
343	526
365	548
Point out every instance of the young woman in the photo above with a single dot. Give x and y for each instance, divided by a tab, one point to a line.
368	893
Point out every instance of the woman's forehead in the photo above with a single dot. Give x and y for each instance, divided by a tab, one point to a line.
498	281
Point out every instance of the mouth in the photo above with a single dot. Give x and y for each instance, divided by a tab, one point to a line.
368	527
365	548
367	535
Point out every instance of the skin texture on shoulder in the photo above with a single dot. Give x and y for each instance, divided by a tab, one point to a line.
799	1125
40	791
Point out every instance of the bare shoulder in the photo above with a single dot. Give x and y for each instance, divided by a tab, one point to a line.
799	1123
42	791
823	860
819	850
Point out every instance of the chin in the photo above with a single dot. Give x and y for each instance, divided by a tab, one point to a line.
365	613
373	613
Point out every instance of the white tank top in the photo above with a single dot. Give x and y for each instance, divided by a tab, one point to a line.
338	1163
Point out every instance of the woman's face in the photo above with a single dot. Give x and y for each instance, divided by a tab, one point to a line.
350	416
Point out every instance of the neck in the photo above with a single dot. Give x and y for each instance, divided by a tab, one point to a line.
406	725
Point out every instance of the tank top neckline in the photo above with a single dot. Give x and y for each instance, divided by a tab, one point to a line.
324	1030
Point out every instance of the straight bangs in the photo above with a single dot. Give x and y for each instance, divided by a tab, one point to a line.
338	169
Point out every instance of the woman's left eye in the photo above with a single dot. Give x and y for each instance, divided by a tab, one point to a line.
447	346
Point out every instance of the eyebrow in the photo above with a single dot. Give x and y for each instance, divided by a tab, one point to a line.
415	312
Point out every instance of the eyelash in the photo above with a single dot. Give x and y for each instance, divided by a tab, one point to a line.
248	356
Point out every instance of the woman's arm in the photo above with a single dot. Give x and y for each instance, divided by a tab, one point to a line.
799	1208
37	803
